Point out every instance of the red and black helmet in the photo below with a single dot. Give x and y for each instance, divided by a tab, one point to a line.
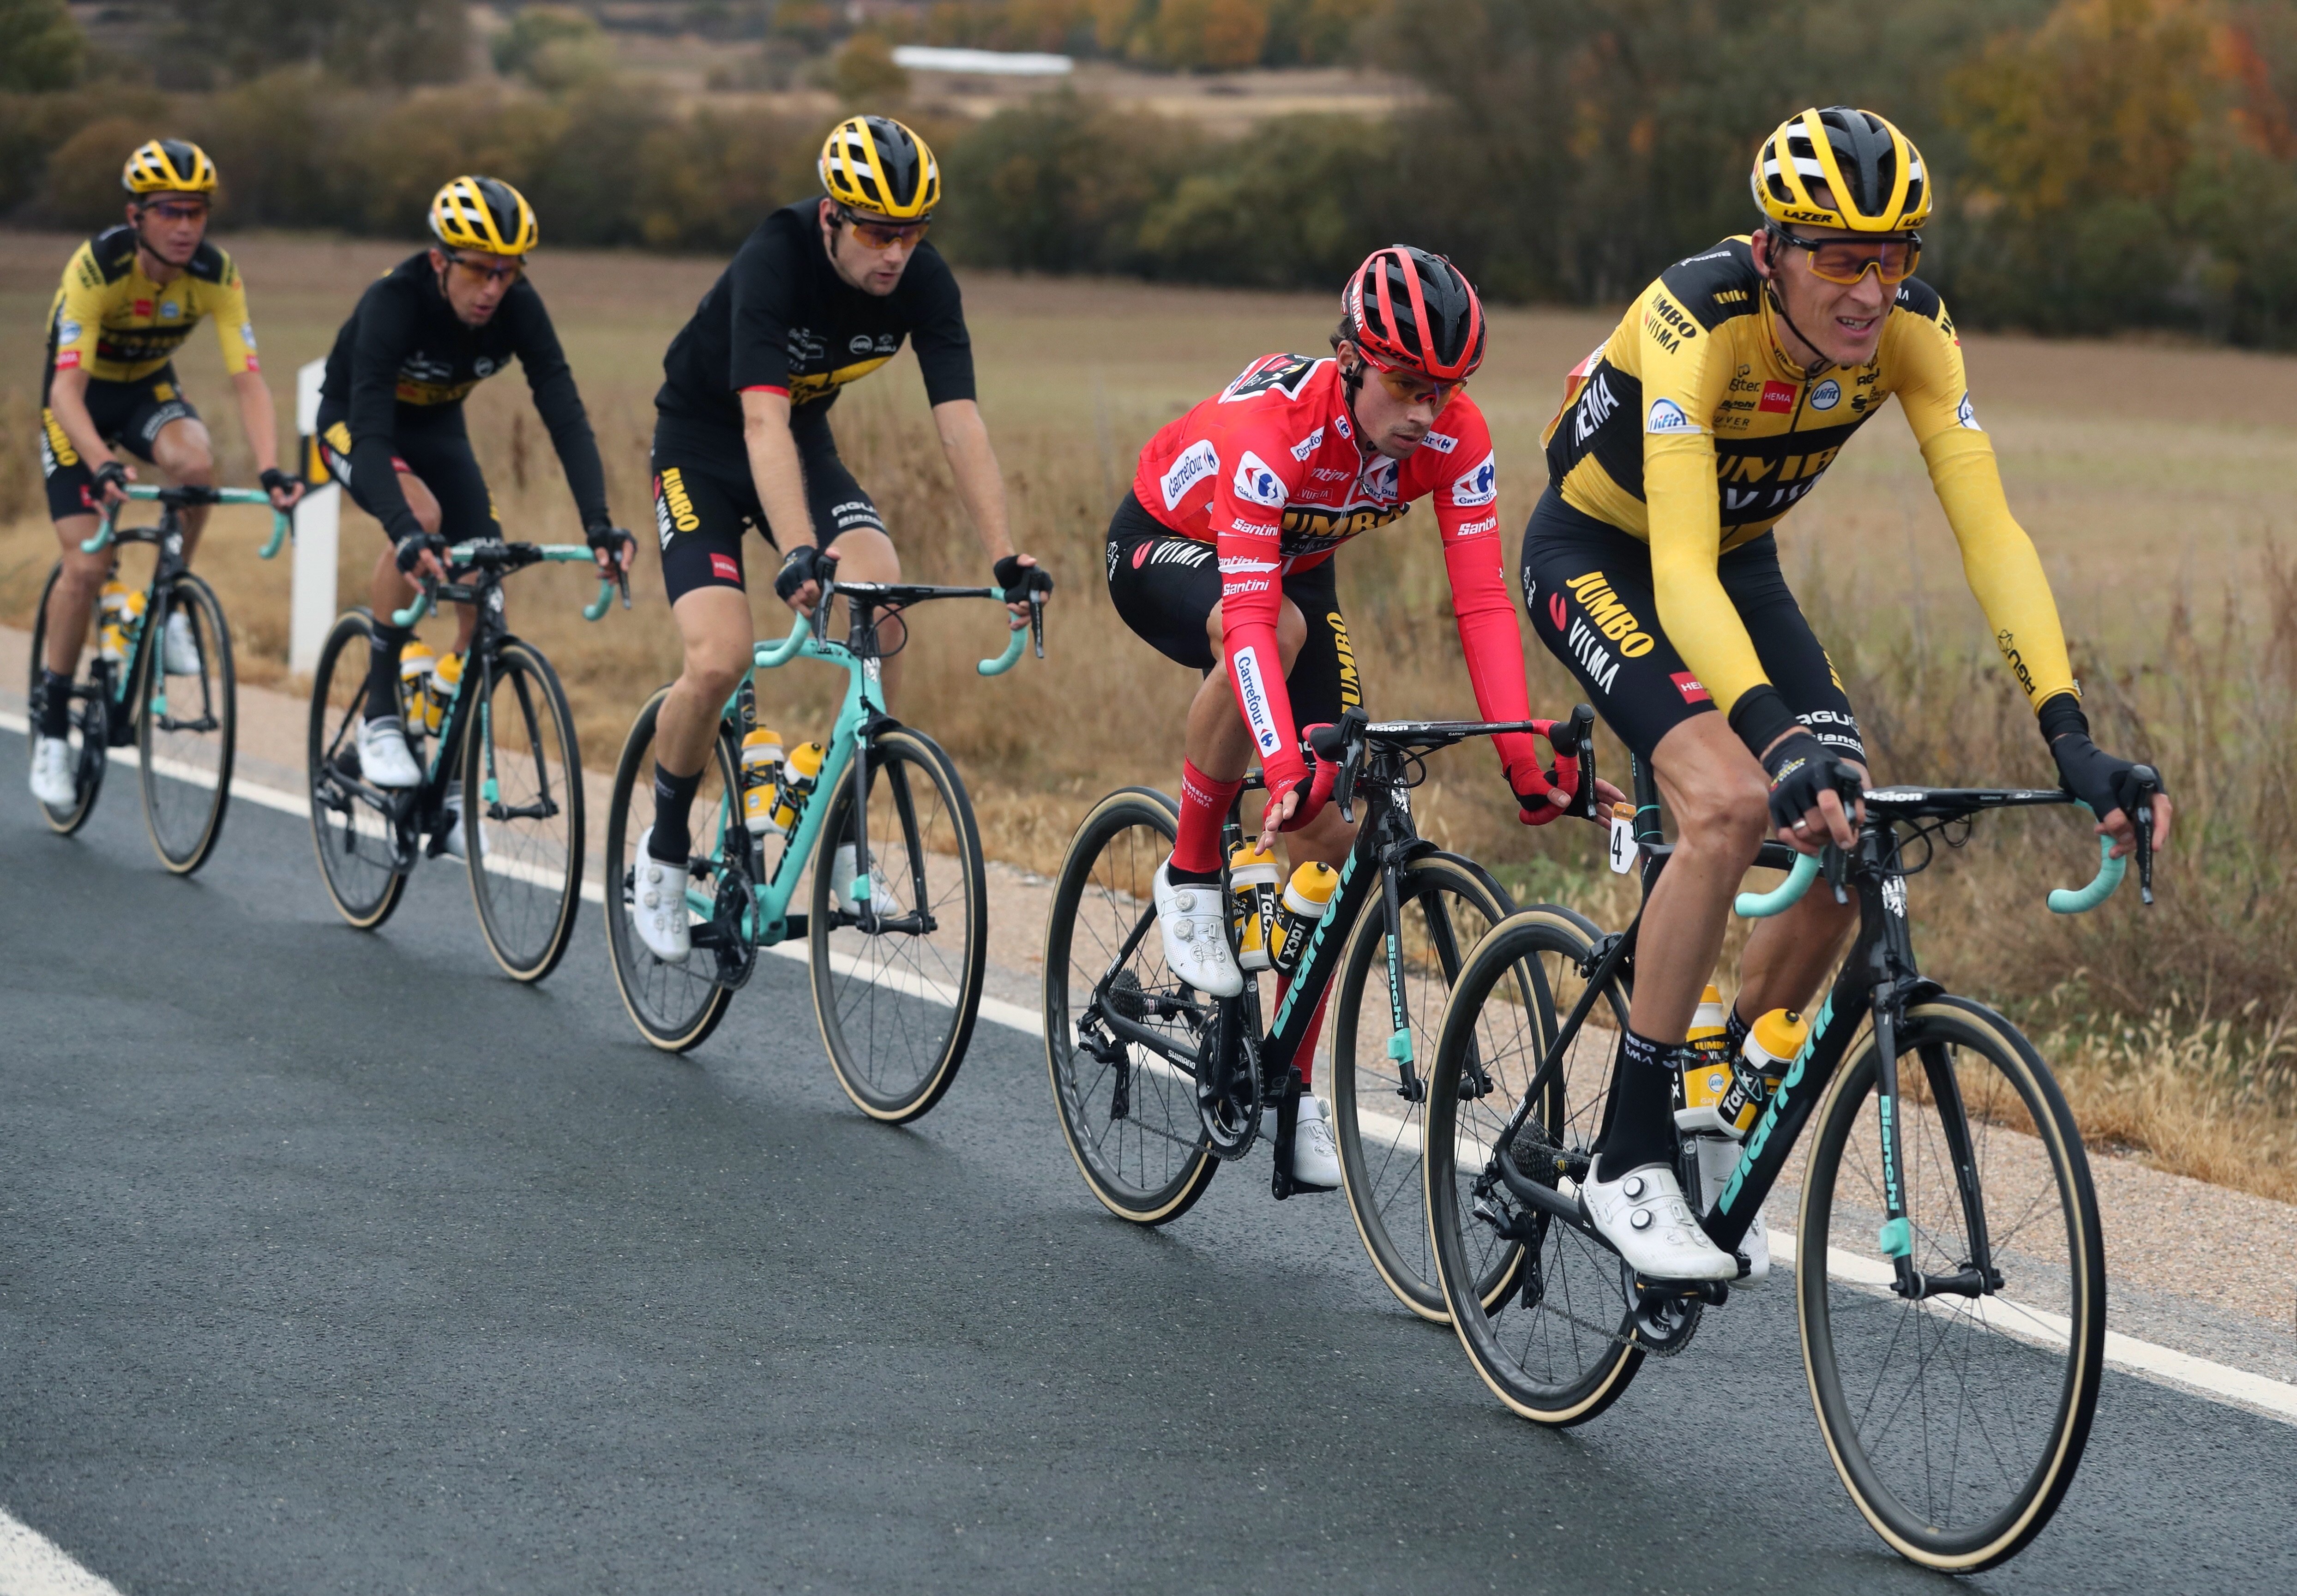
1407	309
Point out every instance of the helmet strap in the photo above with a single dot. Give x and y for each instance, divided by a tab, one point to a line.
1779	305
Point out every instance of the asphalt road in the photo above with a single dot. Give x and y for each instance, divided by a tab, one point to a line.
334	1262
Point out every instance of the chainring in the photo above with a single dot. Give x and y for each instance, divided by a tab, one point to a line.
1228	1086
736	954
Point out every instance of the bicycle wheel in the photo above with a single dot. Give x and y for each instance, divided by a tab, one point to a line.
187	731
360	856
674	1006
1130	1116
1542	1310
1447	904
1956	1422
897	1004
87	730
523	812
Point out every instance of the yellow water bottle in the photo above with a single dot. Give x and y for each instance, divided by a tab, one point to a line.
762	768
799	773
111	635
1252	882
1707	1067
1773	1045
1306	896
445	679
416	662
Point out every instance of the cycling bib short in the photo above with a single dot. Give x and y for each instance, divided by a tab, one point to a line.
128	414
705	498
435	451
1164	587
1588	585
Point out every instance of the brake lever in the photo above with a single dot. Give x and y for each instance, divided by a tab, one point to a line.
1583	736
622	576
820	616
2149	783
1037	622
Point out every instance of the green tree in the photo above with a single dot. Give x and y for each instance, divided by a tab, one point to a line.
555	47
1210	35
40	47
400	42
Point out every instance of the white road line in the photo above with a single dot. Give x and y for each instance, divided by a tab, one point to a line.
2164	1364
32	1565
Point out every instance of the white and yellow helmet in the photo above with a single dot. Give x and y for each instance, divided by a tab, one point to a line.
484	214
1841	168
168	166
876	166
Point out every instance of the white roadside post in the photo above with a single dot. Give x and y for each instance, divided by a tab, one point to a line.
317	520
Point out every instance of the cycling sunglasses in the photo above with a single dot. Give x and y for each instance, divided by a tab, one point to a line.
1407	387
876	234
489	269
176	210
1845	260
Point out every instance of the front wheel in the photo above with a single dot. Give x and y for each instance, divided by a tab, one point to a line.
1956	1421
897	988
1380	1071
1129	1113
87	730
187	732
355	826
523	812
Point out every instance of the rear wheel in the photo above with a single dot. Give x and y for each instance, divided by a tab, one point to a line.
1130	1115
897	1003
1541	1308
87	730
187	731
1956	1421
523	812
1379	1074
674	1006
362	856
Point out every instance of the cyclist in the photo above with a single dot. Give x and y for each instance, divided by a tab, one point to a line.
392	429
1650	570
1221	559
820	295
130	297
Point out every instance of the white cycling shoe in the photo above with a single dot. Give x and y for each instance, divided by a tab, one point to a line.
453	805
180	651
1315	1159
1717	1158
385	759
1193	921
1644	1215
841	883
658	905
54	781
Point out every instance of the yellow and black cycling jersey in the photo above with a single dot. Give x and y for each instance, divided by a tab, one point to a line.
1692	430
113	322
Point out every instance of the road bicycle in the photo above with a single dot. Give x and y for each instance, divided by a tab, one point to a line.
1950	1279
184	728
1157	1085
505	735
897	939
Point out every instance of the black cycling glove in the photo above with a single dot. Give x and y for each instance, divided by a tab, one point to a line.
608	539
411	548
112	474
1800	768
276	480
803	564
1019	580
2085	769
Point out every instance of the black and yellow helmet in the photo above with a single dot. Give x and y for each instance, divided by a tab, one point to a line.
168	166
484	214
876	165
1873	178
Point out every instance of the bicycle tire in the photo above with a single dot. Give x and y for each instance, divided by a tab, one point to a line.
1543	1318
674	1007
91	720
897	1009
1144	822
1380	1131
173	763
525	869
2052	1275
358	847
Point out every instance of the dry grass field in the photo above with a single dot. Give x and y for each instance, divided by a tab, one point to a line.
2154	479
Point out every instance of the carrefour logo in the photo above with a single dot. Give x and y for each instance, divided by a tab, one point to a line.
1195	463
1256	483
1253	694
1479	487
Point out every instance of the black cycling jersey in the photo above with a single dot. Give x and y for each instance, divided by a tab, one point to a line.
780	318
405	353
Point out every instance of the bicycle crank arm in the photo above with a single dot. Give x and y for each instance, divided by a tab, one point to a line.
1547	1199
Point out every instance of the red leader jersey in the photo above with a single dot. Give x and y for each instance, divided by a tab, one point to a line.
1268	472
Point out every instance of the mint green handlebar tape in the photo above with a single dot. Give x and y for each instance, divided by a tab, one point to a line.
1005	662
413	613
771	655
280	521
2073	900
597	612
1756	906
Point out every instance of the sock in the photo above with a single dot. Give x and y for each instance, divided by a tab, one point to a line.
1304	1060
382	671
1639	1123
56	706
673	795
1203	806
1735	1032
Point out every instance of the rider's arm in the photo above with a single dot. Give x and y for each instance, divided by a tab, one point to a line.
1466	498
78	313
68	401
774	466
1247	535
980	485
1998	557
386	331
559	403
259	418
